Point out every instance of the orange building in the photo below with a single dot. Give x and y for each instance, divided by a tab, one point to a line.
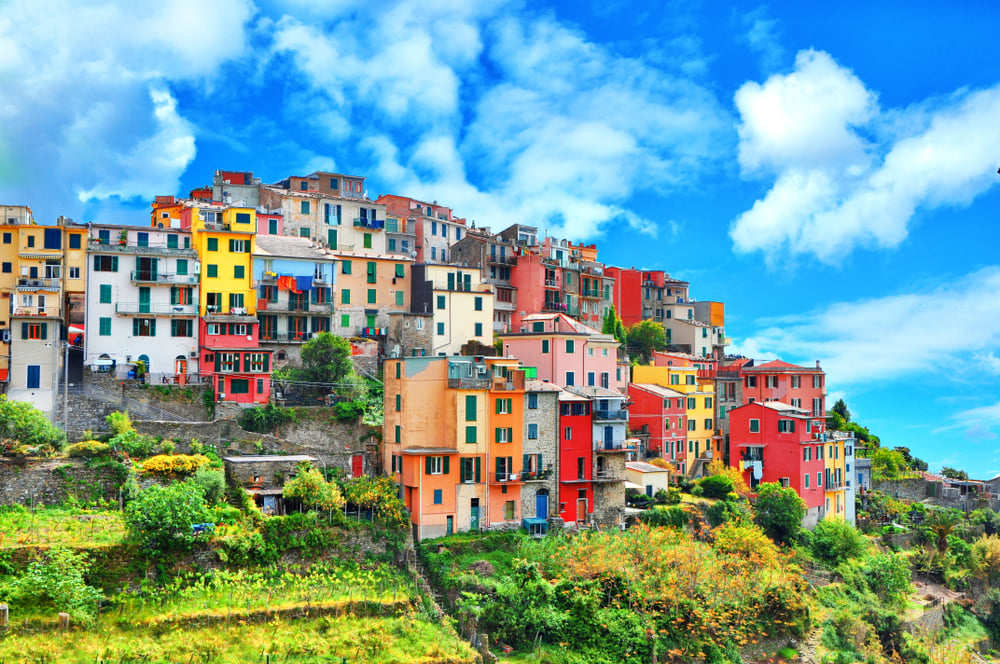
452	440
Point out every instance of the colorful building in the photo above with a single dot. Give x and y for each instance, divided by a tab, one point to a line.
662	414
142	302
576	458
564	351
369	288
435	229
802	387
540	447
460	304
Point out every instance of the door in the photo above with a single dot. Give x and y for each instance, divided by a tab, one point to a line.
450	527
144	299
41	304
474	515
542	504
34	376
357	465
609	437
581	510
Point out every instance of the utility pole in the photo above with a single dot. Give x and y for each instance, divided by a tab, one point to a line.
66	387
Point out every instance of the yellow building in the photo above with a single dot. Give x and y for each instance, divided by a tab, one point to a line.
224	239
703	441
460	303
835	476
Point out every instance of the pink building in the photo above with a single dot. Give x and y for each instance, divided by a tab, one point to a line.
802	387
564	351
231	356
660	412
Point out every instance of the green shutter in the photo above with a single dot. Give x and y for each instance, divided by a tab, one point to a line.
218	363
24	330
510	405
470	407
135	327
447	469
498	406
510	434
236	361
114	263
461	471
427	465
496	434
470	434
477	469
97	263
267	363
525	462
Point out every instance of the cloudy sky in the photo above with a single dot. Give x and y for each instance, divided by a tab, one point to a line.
828	172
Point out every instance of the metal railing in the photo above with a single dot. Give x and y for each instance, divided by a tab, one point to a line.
156	308
148	276
285	337
45	282
613	446
35	311
610	415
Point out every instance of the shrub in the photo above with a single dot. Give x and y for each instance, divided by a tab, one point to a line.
716	486
835	541
661	497
309	487
672	517
349	411
746	541
88	448
57	582
673	495
724	511
160	517
266	419
22	422
120	422
888	576
212	483
779	512
133	443
172	465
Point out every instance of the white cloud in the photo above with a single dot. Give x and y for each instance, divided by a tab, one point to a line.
893	337
762	37
89	113
555	130
848	174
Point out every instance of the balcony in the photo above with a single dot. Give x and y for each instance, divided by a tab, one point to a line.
555	306
150	277
536	475
502	260
48	283
155	309
151	249
551	283
35	311
606	415
285	337
297	307
374	224
606	476
469	383
507	478
614	446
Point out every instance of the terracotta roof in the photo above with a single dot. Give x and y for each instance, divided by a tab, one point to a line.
658	389
778	365
540	386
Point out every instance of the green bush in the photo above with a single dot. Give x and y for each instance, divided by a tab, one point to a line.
133	443
22	422
673	495
661	497
671	517
120	422
835	541
779	512
716	486
88	448
212	483
724	511
266	419
349	411
160	517
57	583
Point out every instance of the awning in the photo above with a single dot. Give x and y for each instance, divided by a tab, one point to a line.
633	485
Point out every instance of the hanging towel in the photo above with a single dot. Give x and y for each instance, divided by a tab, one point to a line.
758	469
287	283
304	283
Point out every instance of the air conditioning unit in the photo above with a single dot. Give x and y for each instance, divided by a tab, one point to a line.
193	354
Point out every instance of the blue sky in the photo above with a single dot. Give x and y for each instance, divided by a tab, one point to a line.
828	172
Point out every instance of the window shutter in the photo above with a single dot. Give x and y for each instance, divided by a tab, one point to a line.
218	362
267	362
427	465
236	361
461	471
24	330
135	327
477	469
446	465
498	406
114	263
496	433
45	330
510	405
525	462
539	464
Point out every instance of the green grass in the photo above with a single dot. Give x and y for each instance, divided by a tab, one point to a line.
59	526
407	638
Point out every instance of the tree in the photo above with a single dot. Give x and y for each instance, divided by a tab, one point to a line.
942	523
835	541
613	325
645	337
841	409
326	358
716	486
954	473
779	511
57	581
309	487
21	423
161	517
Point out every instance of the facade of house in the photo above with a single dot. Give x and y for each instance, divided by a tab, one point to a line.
461	305
42	286
651	478
540	448
296	288
564	351
435	229
142	302
802	387
369	288
576	458
777	442
662	414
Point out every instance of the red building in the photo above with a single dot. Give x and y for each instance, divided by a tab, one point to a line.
647	295
776	442
231	355
802	387
576	449
660	412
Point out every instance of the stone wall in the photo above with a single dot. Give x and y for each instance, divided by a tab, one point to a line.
908	489
546	418
52	481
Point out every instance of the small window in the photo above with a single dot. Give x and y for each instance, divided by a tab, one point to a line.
239	271
212	244
754	426
532	401
212	271
304	205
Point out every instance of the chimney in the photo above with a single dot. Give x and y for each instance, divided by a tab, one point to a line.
817	364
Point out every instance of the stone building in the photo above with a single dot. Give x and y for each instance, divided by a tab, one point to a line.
541	449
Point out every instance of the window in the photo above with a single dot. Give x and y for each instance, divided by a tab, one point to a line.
436	465
689	379
372	272
692	425
345	320
754	426
819	480
239	271
675	379
786	426
235	300
570	379
817	381
74	240
819	452
440	302
34	331
367	240
239	246
7	267
504	406
570	343
568	433
797	403
532	401
532	431
239	386
796	381
478	303
372	296
545	345
807	454
470	434
399	298
31	240
8	238
212	271
708	424
806	484
243	218
105	327
212	244
345	267
437	497
692	403
708	402
105	263
345	296
478	330
770	381
304	206
144	327
105	294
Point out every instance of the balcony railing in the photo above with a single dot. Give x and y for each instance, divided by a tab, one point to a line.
156	309
369	223
297	307
36	311
610	415
507	478
47	282
285	337
151	249
536	475
502	260
614	446
147	276
469	383
606	476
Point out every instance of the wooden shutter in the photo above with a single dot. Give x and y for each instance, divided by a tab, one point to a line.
427	465
477	469
445	465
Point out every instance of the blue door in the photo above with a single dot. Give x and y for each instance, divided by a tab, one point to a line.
609	438
34	376
474	515
542	504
